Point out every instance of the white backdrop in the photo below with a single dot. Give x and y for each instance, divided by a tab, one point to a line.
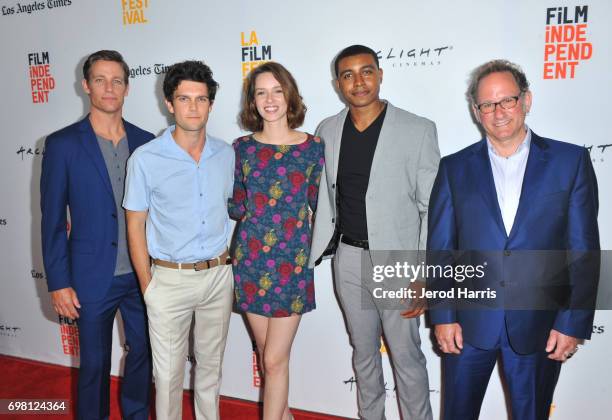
427	50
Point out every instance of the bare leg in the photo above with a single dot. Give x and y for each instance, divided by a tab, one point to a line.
274	337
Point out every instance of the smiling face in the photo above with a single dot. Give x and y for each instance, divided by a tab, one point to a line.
503	126
106	87
190	105
269	98
359	80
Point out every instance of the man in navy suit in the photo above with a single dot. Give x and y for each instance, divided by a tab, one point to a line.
522	203
89	273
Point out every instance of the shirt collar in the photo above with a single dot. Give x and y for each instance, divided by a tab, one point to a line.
525	145
209	146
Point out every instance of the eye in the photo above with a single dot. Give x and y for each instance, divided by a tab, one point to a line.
486	106
367	72
347	76
259	93
118	82
182	99
202	99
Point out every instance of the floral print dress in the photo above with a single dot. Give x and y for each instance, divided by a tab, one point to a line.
275	188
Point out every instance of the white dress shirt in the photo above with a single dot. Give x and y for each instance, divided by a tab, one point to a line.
508	174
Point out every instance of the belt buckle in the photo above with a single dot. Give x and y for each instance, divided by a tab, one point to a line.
195	266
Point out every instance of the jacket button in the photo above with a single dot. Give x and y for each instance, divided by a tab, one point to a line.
114	216
333	186
507	253
114	244
333	220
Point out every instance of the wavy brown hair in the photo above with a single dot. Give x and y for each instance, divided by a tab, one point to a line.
250	119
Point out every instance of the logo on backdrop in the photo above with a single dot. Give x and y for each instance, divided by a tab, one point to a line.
2	222
257	379
599	329
253	52
41	80
599	152
69	332
133	11
147	70
31	152
566	44
9	330
411	57
32	7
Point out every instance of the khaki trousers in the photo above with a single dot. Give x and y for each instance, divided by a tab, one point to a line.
173	298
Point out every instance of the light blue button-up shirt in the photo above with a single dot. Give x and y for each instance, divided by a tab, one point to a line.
508	174
186	200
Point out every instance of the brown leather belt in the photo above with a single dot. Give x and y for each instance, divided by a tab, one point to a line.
223	259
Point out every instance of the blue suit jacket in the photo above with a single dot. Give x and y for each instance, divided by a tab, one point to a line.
557	212
74	175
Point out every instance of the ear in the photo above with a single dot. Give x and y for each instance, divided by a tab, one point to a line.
85	86
380	75
527	98
476	113
169	106
337	82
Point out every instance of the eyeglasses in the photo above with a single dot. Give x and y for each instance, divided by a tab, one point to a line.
506	103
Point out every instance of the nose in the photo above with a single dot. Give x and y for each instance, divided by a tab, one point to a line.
358	79
108	85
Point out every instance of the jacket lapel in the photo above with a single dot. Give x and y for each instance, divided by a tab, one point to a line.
338	142
389	121
90	144
483	179
131	136
534	174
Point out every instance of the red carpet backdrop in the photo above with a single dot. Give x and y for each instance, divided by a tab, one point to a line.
426	50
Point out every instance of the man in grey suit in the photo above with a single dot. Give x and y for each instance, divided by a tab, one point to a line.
381	162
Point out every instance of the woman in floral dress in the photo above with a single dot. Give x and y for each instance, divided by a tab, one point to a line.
277	176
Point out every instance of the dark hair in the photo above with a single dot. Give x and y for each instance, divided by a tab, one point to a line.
296	110
106	55
195	71
495	66
354	50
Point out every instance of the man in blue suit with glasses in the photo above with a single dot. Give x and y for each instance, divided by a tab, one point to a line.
89	273
527	206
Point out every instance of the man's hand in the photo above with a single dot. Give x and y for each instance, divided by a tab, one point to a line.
449	337
65	302
417	305
563	345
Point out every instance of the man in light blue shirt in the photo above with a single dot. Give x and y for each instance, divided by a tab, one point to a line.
176	195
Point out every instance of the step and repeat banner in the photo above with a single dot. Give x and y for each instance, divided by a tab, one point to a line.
426	50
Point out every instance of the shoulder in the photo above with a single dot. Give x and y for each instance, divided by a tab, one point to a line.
461	157
402	116
142	135
332	121
147	149
65	136
557	146
220	147
241	140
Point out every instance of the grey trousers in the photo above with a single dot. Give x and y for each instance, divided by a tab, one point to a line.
365	327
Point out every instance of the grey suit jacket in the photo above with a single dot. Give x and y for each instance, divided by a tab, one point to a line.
403	171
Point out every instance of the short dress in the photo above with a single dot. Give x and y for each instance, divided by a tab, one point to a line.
275	189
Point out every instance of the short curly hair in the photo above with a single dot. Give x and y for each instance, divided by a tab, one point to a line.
250	119
195	71
495	66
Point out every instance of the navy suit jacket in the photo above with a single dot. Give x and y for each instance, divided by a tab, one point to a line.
74	175
557	213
